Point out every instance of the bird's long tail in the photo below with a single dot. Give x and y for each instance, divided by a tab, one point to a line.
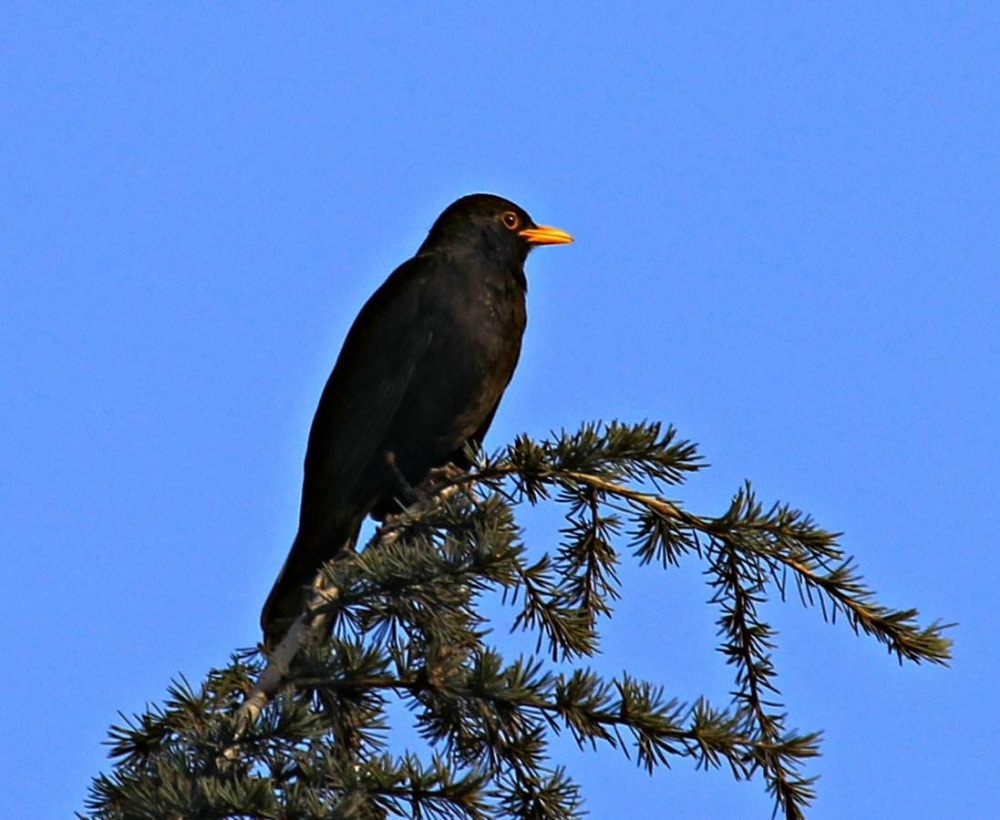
291	590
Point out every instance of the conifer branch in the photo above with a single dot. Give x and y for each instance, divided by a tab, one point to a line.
305	732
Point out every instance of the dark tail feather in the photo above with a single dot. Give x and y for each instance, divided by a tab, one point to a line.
291	590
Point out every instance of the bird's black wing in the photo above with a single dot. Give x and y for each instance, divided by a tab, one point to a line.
362	396
364	391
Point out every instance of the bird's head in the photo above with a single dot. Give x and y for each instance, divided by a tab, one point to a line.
484	223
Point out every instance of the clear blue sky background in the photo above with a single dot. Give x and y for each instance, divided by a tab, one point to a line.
787	218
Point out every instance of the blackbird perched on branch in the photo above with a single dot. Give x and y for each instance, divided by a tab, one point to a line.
419	377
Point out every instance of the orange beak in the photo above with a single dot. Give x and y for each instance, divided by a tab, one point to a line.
546	235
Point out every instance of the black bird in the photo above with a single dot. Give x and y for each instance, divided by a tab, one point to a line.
420	376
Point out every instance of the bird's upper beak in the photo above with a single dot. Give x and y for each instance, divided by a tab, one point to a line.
546	235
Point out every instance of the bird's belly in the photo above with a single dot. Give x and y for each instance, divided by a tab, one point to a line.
460	387
460	379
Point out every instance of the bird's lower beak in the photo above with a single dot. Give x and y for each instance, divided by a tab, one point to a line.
546	235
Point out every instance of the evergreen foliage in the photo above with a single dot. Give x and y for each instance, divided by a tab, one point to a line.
405	621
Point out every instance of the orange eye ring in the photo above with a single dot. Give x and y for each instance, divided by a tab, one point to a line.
510	220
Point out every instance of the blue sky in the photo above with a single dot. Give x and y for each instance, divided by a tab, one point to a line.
787	241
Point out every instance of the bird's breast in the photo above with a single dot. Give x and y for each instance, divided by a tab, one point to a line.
476	348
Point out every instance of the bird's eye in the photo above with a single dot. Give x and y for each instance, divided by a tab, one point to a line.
510	220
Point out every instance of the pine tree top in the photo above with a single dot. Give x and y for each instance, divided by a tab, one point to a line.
406	619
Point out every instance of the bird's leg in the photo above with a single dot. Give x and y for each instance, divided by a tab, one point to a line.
441	476
436	486
436	480
390	459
